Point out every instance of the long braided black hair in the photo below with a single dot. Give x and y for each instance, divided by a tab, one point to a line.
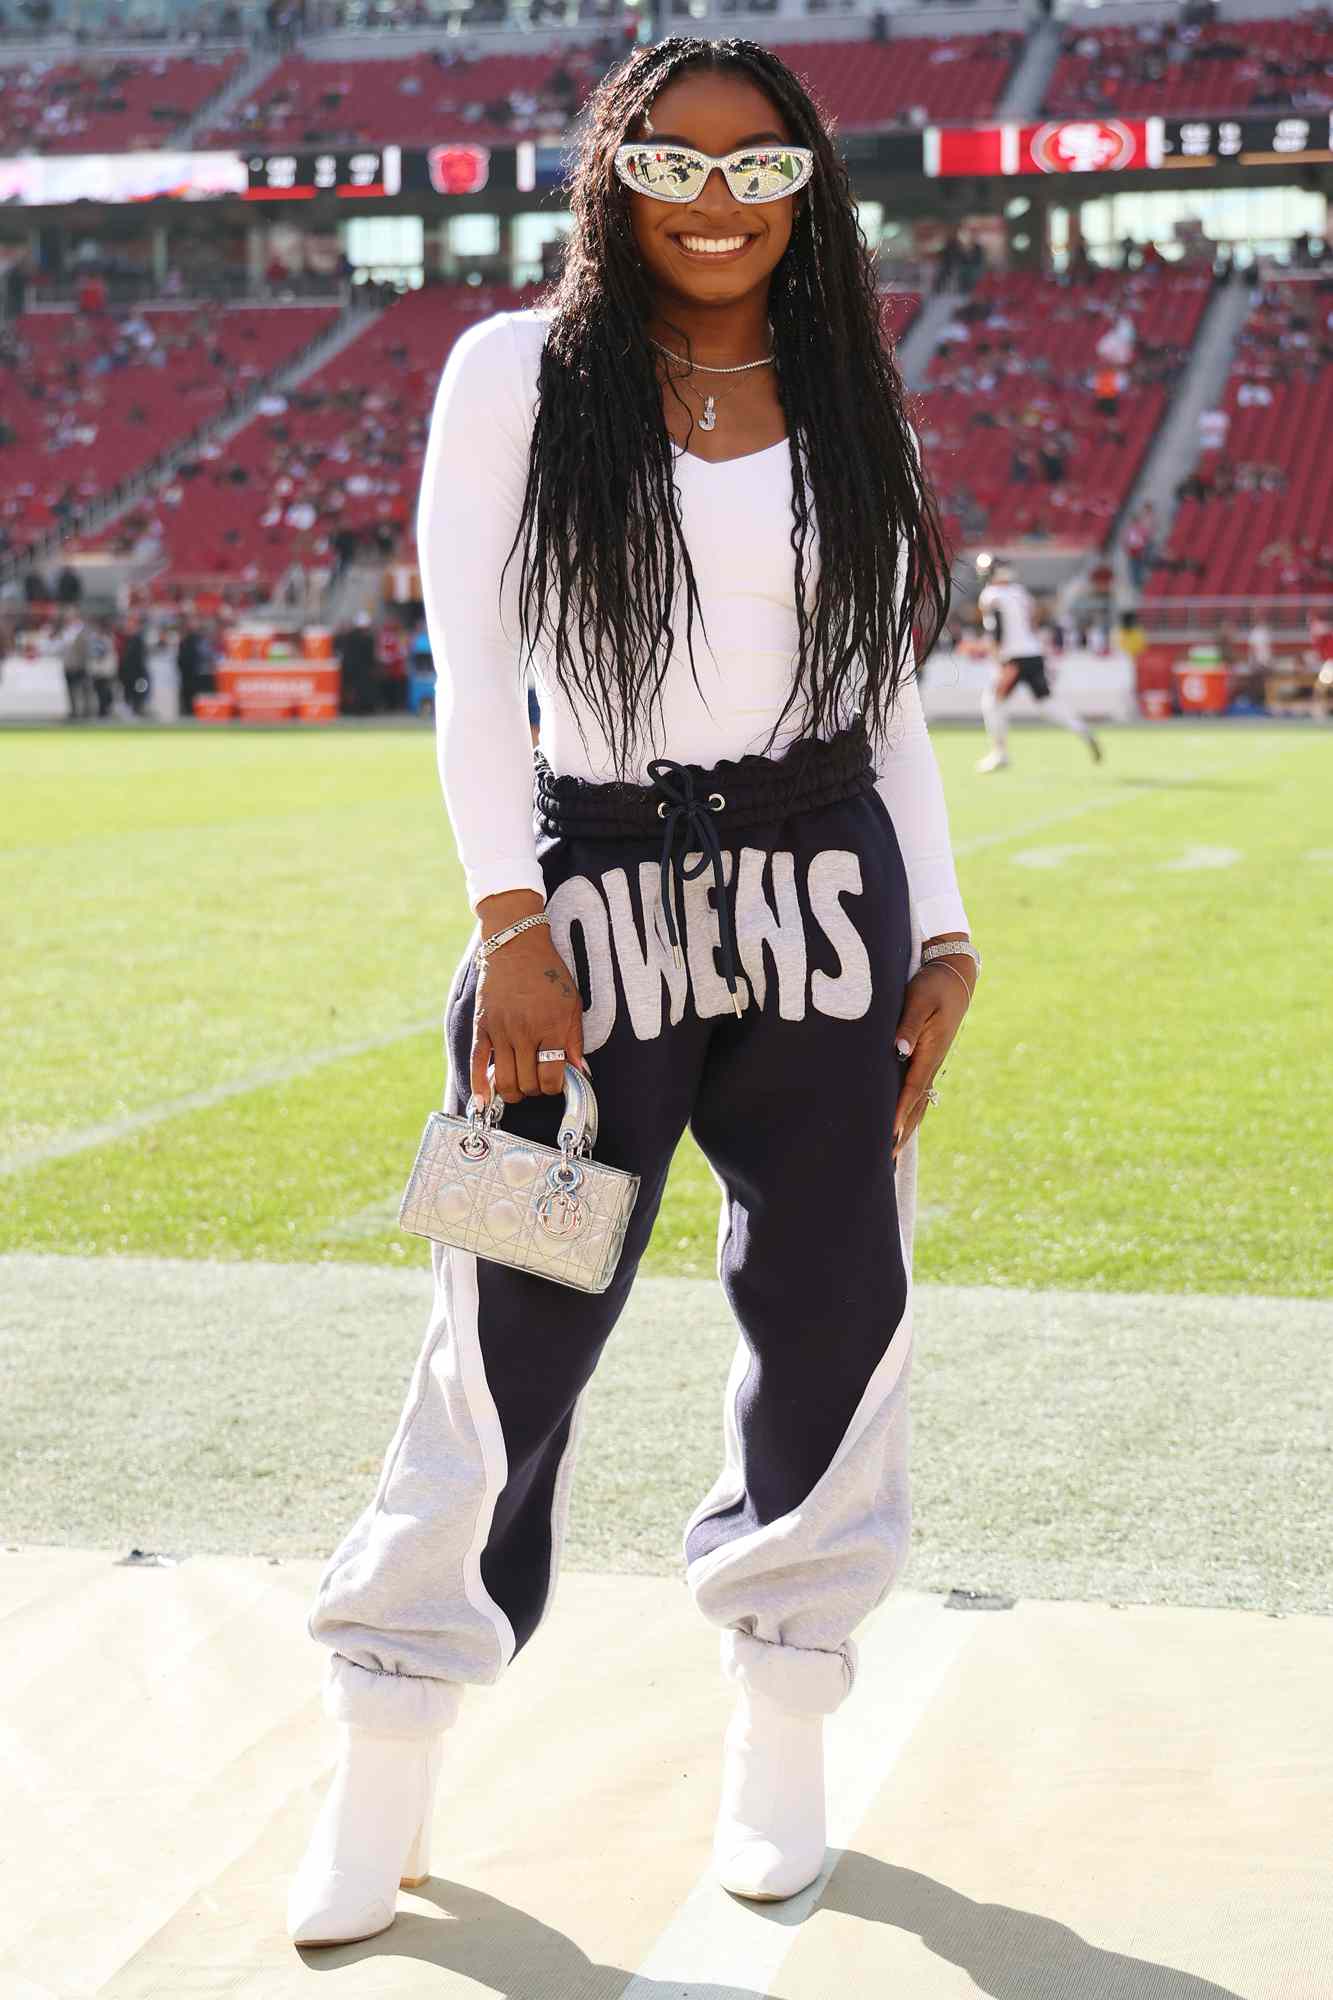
603	552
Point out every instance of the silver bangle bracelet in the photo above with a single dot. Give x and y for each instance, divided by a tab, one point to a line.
945	966
493	943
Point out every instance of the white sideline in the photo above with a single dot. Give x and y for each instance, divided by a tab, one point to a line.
116	1129
715	1944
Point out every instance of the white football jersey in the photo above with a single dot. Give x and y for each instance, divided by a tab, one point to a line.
1010	619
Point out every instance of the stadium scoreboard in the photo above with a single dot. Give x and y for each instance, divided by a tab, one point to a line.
362	172
1274	140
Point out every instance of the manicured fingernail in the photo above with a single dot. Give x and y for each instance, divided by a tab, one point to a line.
903	1048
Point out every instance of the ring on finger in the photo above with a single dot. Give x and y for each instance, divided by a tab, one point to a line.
932	1095
550	1055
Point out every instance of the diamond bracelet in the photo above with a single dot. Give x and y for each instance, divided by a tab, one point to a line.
492	944
952	948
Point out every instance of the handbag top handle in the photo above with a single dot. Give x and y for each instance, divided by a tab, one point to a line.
578	1125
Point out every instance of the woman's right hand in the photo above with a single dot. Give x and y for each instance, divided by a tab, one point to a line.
526	1000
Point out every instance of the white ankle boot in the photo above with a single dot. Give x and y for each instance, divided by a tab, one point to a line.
372	1834
770	1830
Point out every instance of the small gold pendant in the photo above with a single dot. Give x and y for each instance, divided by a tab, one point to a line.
708	421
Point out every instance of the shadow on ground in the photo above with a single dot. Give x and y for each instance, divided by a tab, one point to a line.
1009	1954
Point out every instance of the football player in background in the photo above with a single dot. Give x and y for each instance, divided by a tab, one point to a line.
1009	620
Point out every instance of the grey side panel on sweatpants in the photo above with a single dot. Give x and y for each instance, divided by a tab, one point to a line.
443	1471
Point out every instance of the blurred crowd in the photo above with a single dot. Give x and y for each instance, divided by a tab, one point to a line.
1287	336
1266	65
1054	407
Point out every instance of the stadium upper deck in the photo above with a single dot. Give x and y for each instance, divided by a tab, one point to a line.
319	96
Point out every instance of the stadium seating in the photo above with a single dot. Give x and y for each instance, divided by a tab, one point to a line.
1258	516
868	84
105	104
1018	372
414	100
417	101
347	446
91	399
1229	66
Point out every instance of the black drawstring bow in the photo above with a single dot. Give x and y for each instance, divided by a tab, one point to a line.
683	812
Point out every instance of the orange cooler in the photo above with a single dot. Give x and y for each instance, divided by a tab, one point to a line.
1203	688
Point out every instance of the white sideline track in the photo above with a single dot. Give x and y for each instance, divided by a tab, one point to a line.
1052	1802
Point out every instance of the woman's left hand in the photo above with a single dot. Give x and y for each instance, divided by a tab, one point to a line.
937	999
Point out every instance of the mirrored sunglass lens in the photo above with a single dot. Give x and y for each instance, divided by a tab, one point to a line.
662	171
763	176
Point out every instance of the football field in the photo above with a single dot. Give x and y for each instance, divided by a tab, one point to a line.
227	961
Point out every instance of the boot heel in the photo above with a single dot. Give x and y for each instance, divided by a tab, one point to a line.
416	1868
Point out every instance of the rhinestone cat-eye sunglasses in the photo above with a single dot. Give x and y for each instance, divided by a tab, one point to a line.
678	173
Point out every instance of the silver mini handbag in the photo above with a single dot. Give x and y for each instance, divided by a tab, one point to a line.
551	1210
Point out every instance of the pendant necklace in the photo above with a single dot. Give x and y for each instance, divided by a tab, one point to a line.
708	421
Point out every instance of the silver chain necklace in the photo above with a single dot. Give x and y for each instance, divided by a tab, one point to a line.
708	421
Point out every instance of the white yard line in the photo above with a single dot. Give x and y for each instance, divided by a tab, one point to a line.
1104	801
1101	803
115	1129
715	1944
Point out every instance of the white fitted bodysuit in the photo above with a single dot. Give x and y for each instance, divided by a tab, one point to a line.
736	517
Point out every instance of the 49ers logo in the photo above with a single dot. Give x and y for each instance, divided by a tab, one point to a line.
1083	146
458	169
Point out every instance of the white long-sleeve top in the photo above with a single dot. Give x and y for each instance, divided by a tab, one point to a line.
736	517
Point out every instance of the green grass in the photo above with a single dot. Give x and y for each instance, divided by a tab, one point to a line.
1138	1101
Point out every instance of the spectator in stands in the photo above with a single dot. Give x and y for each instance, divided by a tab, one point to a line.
69	586
345	542
1053	451
1141	543
1213	428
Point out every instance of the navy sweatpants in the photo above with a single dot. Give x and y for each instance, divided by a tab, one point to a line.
450	1569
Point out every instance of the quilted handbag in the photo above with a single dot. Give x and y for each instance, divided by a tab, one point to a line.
551	1210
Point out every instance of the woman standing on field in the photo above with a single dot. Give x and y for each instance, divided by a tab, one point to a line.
687	498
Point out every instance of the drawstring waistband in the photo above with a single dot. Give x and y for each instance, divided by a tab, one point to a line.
685	802
682	812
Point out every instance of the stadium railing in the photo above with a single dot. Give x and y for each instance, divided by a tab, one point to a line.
1167	619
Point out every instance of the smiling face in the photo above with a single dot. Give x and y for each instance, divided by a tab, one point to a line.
715	249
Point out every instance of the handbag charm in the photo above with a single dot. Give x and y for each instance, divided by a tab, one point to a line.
551	1210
